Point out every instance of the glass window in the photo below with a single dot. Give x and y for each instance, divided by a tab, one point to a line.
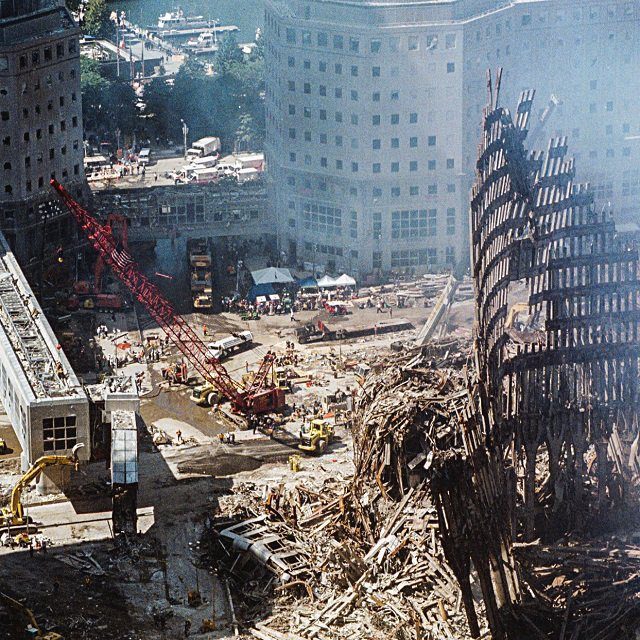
375	46
322	39
291	36
338	42
395	118
306	37
413	118
451	67
431	141
375	72
354	45
450	41
413	44
375	144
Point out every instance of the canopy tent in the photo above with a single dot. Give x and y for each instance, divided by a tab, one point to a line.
308	283
260	290
272	275
345	281
326	282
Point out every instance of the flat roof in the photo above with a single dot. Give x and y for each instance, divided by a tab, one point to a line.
32	348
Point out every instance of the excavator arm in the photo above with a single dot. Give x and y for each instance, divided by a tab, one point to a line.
15	506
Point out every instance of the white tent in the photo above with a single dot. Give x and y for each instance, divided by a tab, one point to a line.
326	282
345	281
272	275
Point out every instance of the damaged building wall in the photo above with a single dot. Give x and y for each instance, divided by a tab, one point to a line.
566	378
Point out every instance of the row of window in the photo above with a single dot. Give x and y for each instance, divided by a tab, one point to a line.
8	188
376	71
393	44
45	55
5	115
418	257
376	119
59	433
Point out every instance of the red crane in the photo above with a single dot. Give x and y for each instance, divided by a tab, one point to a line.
256	398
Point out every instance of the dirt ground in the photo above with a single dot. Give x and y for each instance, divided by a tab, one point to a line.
139	587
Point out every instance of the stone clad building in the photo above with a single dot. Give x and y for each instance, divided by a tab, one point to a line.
374	109
40	124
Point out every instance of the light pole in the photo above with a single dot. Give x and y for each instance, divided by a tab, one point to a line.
117	140
114	18
239	266
215	32
185	131
315	248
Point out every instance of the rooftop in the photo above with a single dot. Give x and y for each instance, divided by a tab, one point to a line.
28	338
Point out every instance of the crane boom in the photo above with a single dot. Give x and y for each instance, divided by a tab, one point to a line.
160	309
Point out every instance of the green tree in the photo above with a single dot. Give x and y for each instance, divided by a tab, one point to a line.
227	54
96	21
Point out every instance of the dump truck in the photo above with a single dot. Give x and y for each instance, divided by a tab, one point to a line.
320	332
201	279
315	436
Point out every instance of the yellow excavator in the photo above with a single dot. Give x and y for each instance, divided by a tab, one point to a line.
13	515
315	436
29	619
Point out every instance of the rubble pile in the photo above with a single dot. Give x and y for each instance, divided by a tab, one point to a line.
359	557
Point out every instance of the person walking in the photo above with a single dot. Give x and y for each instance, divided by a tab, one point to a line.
292	317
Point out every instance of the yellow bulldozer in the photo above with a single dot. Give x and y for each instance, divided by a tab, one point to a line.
29	619
315	436
13	514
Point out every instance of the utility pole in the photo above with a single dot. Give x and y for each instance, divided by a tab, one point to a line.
185	131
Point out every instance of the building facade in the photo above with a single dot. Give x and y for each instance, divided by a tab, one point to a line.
40	125
374	110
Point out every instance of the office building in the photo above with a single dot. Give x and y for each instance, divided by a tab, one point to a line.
374	108
40	125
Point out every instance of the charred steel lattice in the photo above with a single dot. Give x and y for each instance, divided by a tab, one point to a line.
567	378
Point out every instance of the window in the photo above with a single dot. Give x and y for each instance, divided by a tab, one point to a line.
451	67
375	96
375	72
6	141
609	106
291	61
354	167
354	118
322	90
526	19
292	85
322	39
451	222
47	54
72	46
626	152
292	134
375	120
375	167
50	129
4	115
291	36
395	192
307	64
395	95
432	189
323	138
23	62
354	45
52	154
307	160
59	433
323	163
322	219
377	192
450	163
450	41
592	108
7	166
431	141
409	224
395	143
375	144
432	42
376	259
338	92
322	66
413	118
306	112
375	46
292	157
338	42
338	116
339	165
27	162
413	165
338	69
292	109
307	87
354	70
394	45
338	141
353	224
306	37
413	44
354	95
59	50
395	118
413	142
451	188
450	255
414	191
395	167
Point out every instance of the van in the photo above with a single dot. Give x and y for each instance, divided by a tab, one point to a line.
144	157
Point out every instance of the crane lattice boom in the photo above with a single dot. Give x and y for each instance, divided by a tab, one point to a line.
161	310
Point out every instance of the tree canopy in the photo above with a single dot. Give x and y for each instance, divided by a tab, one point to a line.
96	20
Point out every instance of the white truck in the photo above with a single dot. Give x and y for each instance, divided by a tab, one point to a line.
204	147
245	160
235	342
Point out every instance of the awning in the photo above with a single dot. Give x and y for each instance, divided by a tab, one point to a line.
326	282
261	299
345	281
308	283
272	275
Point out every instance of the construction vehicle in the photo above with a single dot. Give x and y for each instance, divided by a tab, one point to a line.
236	342
315	436
320	332
30	623
201	277
206	395
176	373
514	312
259	396
13	515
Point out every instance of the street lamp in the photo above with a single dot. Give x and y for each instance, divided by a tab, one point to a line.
185	131
239	266
315	248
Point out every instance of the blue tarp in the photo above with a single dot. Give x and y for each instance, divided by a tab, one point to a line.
260	290
308	283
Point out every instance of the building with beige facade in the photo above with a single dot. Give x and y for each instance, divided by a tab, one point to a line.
374	108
